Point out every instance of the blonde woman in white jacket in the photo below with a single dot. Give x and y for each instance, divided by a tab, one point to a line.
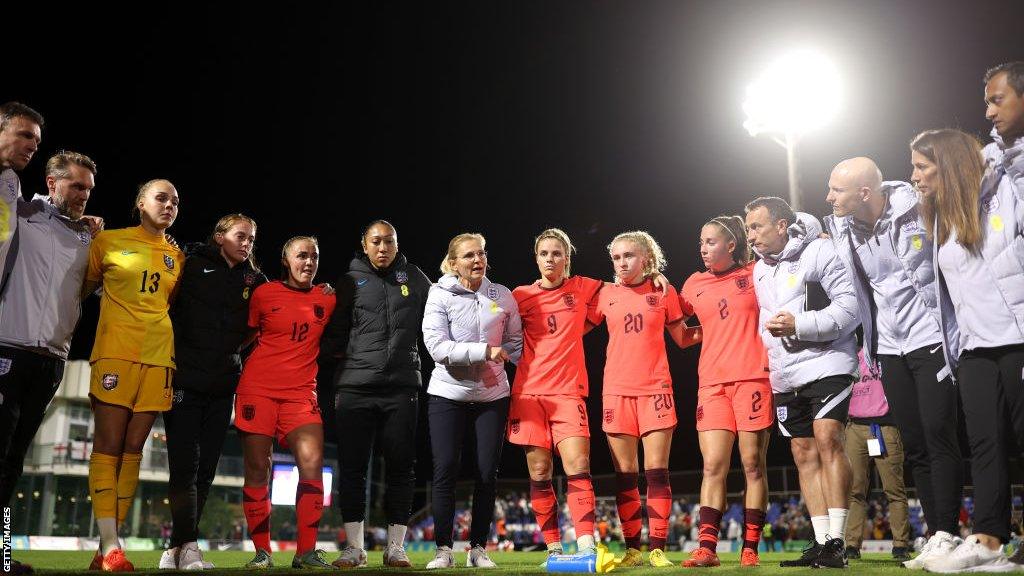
471	327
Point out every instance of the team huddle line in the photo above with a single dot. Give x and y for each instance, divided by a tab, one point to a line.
931	272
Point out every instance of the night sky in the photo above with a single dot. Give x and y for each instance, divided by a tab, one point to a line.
503	118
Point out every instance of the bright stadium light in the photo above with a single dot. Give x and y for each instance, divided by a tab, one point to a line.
798	93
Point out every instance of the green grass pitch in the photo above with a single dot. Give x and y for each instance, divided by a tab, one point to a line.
52	562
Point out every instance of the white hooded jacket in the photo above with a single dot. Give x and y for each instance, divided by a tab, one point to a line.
798	280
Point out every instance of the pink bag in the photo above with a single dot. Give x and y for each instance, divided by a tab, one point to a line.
868	398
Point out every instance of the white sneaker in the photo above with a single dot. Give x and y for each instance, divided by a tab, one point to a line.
442	559
971	556
190	558
477	558
169	559
395	557
351	557
938	546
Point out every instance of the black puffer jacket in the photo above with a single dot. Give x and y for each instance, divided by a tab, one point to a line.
211	318
376	326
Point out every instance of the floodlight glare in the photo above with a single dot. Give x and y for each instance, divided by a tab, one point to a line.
796	94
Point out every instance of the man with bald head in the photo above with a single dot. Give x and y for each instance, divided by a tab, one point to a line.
877	229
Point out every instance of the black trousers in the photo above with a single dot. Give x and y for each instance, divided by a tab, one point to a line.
448	421
925	411
28	382
196	426
991	392
389	421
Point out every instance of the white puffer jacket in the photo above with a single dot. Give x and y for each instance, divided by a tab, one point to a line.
824	343
459	325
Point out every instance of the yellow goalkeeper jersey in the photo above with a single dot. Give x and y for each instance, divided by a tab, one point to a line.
140	273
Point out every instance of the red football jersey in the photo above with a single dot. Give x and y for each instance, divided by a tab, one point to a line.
726	306
553	323
290	322
636	363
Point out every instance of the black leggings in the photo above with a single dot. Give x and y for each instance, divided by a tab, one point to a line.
389	422
196	426
926	413
992	393
448	421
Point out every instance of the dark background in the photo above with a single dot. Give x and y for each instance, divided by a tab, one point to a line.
503	118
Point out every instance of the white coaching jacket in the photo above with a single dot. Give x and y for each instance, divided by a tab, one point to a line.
809	280
459	325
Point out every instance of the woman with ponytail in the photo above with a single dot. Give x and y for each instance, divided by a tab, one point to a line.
734	396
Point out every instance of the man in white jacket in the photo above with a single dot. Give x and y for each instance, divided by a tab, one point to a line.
20	135
878	231
807	321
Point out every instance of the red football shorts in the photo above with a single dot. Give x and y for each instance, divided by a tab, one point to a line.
734	406
274	417
637	415
545	420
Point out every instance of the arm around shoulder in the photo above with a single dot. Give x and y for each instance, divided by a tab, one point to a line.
512	340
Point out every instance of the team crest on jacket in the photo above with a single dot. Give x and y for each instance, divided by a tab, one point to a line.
401	276
169	262
794	267
609	415
83	236
569	299
991	205
781	413
5	365
492	292
742	282
248	411
513	425
179	395
109	381
911	226
318	311
652	299
249	279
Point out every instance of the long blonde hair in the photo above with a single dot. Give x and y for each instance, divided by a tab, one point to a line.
287	245
225	224
141	193
563	238
957	156
656	261
453	245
